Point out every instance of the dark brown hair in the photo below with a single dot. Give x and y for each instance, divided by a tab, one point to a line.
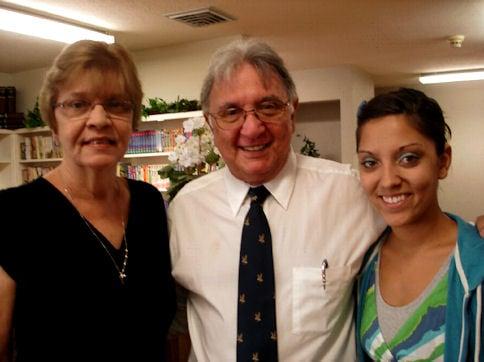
424	112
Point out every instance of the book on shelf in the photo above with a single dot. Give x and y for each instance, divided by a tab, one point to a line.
35	150
8	99
153	141
3	99
30	173
145	142
47	146
169	140
39	147
147	173
11	120
11	99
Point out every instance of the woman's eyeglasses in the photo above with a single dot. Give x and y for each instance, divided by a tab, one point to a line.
78	108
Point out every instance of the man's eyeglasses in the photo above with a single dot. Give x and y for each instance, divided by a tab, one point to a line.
78	108
267	111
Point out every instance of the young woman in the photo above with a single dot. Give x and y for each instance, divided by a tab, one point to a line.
84	258
420	291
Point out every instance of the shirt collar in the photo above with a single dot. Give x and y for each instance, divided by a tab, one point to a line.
281	187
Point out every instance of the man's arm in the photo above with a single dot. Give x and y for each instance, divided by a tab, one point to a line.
480	225
7	298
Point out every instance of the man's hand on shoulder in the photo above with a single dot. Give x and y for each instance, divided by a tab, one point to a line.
480	225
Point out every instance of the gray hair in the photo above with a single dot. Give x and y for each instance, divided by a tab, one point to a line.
254	52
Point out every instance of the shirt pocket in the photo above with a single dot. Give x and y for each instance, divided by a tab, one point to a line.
314	308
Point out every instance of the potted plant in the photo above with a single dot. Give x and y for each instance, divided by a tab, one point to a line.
309	148
33	118
159	106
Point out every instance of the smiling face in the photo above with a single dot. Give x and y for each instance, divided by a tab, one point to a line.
97	140
400	170
256	151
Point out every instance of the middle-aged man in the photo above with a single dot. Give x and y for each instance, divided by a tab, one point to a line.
319	218
318	215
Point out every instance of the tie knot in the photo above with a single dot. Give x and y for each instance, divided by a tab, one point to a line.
258	194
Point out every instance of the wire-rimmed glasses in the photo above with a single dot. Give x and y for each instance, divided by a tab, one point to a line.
80	108
268	111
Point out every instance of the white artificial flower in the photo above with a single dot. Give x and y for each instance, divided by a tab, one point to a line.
180	139
188	125
188	153
198	122
185	159
193	123
191	149
173	156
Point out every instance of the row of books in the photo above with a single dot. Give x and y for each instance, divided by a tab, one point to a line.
39	148
147	173
8	100
150	141
31	173
42	147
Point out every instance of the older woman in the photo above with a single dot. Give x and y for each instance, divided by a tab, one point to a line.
84	260
420	293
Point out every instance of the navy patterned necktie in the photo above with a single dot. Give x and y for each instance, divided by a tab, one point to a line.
256	317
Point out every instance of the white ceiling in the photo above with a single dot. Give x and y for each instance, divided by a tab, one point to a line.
393	40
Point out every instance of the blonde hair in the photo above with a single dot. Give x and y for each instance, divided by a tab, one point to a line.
86	55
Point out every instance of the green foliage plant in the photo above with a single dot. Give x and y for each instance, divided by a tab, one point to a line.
158	106
33	118
309	148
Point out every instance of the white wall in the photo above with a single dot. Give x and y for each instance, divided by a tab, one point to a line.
344	83
463	105
176	70
5	79
320	122
28	85
164	72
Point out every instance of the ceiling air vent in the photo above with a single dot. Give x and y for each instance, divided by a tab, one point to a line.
200	17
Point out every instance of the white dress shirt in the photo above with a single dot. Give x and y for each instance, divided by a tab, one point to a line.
317	210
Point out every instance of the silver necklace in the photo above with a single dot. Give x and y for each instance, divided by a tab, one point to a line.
121	272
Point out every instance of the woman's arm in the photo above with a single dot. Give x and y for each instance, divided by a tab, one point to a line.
7	298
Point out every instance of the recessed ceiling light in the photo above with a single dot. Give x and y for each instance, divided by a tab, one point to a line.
447	77
22	23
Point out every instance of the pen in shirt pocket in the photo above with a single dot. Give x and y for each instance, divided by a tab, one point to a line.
324	268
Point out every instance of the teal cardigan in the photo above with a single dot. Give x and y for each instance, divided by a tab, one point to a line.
463	320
